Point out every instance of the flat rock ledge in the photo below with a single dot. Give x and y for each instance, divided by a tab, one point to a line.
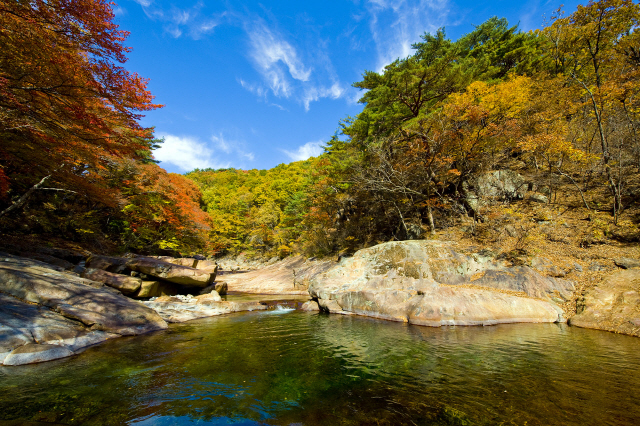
613	305
428	283
175	309
47	314
288	276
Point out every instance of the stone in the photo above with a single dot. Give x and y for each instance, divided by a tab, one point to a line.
148	289
207	266
157	289
210	297
89	302
538	198
545	266
428	283
310	306
596	266
33	352
125	284
117	265
71	256
24	324
182	261
166	271
222	288
627	263
612	305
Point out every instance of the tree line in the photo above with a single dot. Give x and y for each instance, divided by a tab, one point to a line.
559	105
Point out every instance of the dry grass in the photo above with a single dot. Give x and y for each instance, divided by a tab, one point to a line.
582	243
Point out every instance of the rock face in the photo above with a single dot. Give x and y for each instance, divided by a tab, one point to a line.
181	309
43	306
289	276
428	283
494	186
627	263
166	271
613	305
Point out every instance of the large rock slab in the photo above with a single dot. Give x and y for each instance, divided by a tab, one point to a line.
33	352
126	284
288	276
428	283
88	302
613	305
117	265
177	274
26	324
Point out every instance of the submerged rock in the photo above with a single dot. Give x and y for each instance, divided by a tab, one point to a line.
428	283
612	305
186	308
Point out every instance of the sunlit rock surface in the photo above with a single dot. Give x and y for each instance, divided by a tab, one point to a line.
428	283
612	305
289	276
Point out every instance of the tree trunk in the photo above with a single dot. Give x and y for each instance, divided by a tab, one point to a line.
22	200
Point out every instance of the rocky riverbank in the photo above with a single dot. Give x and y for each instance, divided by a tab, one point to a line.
55	309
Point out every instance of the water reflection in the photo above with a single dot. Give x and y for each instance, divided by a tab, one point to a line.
302	368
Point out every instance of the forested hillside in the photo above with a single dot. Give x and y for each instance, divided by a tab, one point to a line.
75	164
559	106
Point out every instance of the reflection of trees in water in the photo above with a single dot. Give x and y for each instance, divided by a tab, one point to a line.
319	369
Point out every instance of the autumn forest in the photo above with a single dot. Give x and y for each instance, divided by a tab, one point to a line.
560	106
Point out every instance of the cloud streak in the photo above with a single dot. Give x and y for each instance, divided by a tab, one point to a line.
275	59
396	25
178	21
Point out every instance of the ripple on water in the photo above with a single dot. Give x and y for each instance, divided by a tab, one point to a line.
304	368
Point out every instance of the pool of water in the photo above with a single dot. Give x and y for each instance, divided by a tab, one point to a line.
285	367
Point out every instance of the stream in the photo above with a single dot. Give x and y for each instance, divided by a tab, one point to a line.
287	367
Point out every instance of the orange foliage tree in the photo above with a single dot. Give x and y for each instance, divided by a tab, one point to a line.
67	106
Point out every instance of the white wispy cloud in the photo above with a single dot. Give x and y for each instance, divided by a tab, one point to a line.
187	153
299	70
313	93
306	151
144	3
396	25
179	21
275	59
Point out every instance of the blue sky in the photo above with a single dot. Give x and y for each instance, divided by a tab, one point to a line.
251	84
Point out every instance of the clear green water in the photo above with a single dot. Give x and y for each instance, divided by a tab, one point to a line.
298	368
